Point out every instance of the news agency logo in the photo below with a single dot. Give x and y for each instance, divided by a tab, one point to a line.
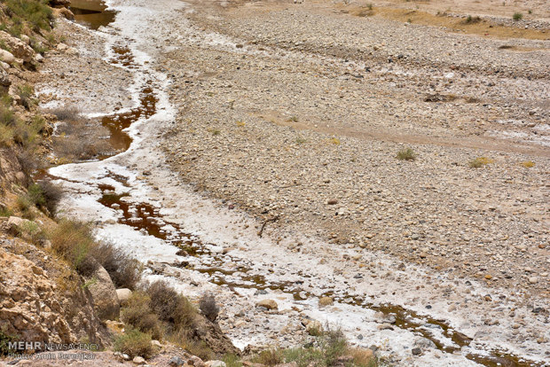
37	346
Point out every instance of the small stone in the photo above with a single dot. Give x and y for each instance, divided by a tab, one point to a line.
533	280
332	202
123	295
156	343
215	364
416	351
176	362
268	303
138	360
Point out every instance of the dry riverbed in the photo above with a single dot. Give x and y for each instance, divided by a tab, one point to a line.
285	119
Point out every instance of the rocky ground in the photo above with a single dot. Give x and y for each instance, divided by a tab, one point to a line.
294	114
298	112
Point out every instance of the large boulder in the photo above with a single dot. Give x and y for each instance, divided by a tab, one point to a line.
18	48
123	295
7	57
104	294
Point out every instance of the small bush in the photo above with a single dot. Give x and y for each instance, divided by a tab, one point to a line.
199	348
208	307
51	196
472	20
528	164
5	339
32	232
135	343
480	162
26	93
7	118
334	346
171	307
363	357
5	211
231	360
270	357
406	155
25	205
74	242
125	271
334	141
139	315
517	16
66	113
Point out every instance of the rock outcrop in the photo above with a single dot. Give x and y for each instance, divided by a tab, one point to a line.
42	300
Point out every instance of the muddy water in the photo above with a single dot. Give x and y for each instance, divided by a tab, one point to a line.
93	14
146	219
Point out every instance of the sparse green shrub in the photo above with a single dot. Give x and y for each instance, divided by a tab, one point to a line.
51	196
139	315
5	211
472	20
528	164
406	155
25	205
198	348
32	231
38	46
208	307
74	242
334	345
363	357
269	357
26	93
479	162
33	12
66	113
135	343
28	134
162	312
517	16
231	360
7	118
171	307
5	339
293	119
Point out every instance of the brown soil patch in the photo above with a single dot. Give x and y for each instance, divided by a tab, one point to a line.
476	26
